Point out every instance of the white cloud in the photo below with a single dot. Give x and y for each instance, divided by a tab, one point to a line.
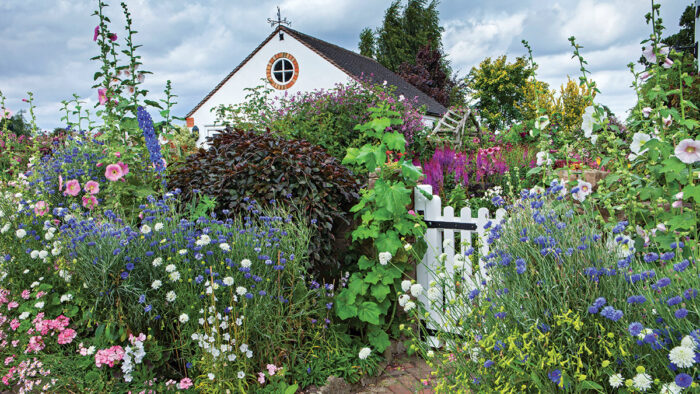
469	42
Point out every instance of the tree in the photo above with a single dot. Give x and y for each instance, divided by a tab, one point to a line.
427	74
684	40
367	42
404	31
498	89
17	125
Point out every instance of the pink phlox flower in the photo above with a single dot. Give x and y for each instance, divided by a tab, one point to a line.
92	187
40	294
185	383
109	356
140	338
12	305
114	172
14	324
261	377
26	294
35	345
72	188
271	369
66	336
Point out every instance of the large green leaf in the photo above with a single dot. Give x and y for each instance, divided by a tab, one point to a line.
378	338
345	305
380	291
369	312
411	172
394	141
388	242
692	191
394	197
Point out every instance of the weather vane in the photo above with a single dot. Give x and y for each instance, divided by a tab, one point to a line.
279	20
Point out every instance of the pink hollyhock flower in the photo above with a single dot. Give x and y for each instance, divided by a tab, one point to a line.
644	76
646	111
667	63
651	56
102	95
688	151
117	154
41	208
185	383
89	201
92	187
677	204
124	167
60	183
113	36
114	172
66	336
72	188
97	32
667	121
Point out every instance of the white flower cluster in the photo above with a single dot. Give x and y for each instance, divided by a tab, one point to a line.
384	258
203	240
137	352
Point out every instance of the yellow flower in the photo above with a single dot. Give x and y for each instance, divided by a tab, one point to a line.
640	369
606	363
582	377
629	382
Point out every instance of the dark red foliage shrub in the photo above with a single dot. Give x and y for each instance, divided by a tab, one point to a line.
267	167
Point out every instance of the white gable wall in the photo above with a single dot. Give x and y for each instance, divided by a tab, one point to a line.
315	72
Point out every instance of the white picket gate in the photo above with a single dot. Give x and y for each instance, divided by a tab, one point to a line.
440	237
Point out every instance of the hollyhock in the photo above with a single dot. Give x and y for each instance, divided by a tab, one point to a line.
102	95
92	187
41	208
124	167
587	123
113	37
114	172
584	189
97	32
60	183
89	201
638	140
72	188
688	151
649	54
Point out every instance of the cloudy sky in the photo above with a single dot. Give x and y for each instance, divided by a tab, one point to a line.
45	45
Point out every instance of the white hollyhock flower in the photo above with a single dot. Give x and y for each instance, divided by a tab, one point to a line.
405	285
688	151
584	189
384	258
542	158
364	353
587	121
542	122
638	140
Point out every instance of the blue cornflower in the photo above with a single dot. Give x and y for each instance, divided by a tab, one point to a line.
488	363
620	227
683	380
690	293
599	302
124	275
668	256
473	294
592	310
680	267
674	301
199	279
543	327
635	328
555	376
651	257
681	313
148	308
677	245
500	315
142	298
129	266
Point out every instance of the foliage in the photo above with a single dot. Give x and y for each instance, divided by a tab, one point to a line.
498	88
559	302
404	31
387	228
270	168
427	74
322	117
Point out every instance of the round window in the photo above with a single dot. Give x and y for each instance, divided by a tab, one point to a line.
282	71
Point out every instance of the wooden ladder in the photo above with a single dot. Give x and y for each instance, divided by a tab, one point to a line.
453	124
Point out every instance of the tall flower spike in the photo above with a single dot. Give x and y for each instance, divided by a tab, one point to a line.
149	134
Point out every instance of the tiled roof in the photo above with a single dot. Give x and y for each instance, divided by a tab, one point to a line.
353	64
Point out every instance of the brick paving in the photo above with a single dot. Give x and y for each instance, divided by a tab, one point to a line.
405	375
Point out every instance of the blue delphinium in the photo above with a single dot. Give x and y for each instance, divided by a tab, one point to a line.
149	135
